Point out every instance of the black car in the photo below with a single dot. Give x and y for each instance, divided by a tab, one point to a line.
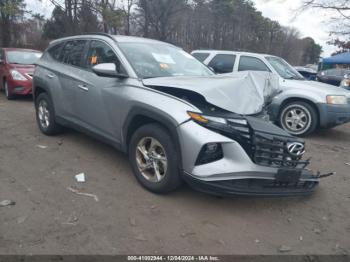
332	76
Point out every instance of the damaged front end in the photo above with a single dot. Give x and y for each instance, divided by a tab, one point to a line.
274	166
228	147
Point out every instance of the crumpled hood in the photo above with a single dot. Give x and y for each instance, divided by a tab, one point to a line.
243	93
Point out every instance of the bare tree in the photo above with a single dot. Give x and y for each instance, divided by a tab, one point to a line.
339	9
11	11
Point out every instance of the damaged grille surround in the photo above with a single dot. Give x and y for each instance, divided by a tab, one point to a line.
263	148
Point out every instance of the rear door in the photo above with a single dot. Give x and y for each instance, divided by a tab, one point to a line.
72	76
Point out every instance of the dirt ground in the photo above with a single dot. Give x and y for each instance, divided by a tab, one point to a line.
36	172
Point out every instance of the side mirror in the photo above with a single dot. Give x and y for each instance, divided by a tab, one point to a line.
108	70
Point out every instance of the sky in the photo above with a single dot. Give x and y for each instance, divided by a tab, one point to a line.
310	23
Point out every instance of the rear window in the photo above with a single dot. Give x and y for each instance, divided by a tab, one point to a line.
73	52
200	56
55	51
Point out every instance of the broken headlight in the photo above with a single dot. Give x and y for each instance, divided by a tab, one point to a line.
231	127
204	119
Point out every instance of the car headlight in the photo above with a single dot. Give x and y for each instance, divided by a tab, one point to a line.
17	75
204	119
345	83
337	100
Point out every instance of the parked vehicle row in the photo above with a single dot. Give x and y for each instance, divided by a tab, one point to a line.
303	105
172	115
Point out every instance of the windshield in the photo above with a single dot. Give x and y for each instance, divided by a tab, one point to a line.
160	60
23	57
284	69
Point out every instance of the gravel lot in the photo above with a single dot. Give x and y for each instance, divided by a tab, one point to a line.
50	219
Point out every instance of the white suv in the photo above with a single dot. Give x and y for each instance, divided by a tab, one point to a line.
303	105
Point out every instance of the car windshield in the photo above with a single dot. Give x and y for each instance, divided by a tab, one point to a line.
284	69
151	60
23	57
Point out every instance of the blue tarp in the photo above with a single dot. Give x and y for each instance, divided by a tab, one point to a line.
343	58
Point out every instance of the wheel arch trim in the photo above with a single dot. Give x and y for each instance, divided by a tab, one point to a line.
169	123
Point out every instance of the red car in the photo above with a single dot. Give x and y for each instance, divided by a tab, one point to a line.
16	70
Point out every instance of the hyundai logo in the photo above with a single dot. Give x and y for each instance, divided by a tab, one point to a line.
296	149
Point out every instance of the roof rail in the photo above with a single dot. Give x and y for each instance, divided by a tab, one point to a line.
99	33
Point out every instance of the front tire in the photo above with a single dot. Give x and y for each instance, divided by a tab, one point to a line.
298	118
45	115
154	159
8	93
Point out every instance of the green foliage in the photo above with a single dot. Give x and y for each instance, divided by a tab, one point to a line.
10	12
11	8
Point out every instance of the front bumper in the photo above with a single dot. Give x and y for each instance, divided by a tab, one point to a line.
235	173
20	87
333	115
253	187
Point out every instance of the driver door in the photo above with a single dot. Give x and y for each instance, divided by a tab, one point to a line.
95	92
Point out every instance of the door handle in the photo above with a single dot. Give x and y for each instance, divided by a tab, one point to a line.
50	75
83	87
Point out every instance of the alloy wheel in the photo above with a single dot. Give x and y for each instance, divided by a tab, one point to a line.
151	159
296	119
44	114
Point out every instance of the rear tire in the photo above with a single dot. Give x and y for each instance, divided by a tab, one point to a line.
154	160
45	115
8	93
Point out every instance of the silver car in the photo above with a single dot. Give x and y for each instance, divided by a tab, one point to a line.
146	98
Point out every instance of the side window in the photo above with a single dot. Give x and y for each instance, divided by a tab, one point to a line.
200	56
55	51
330	72
251	63
73	52
100	53
222	63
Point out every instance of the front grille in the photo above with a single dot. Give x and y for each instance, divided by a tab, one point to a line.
272	151
266	149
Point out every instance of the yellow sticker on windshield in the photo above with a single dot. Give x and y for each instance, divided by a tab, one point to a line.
94	60
164	66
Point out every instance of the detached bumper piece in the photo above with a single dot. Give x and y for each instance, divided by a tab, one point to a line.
252	187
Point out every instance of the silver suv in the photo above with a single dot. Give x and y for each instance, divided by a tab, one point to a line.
143	97
303	106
